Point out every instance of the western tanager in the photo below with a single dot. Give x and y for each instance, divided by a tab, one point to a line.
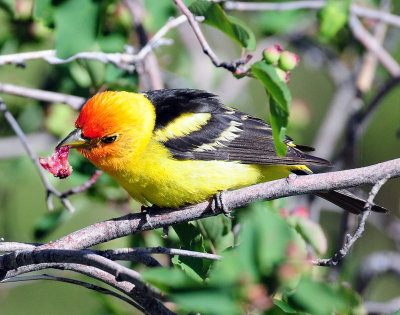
172	148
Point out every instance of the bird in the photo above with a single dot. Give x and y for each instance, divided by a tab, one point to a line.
170	148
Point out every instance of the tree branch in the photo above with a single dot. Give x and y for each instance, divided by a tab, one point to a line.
18	259
75	102
374	46
120	253
233	66
357	9
50	190
124	61
133	223
75	282
350	240
149	304
85	186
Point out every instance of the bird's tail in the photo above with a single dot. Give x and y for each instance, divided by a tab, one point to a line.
349	202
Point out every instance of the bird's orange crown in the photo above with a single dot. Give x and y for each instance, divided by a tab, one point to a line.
129	117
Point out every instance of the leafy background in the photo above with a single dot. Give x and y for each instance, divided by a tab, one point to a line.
85	25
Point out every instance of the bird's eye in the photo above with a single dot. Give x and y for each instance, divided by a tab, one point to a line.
109	139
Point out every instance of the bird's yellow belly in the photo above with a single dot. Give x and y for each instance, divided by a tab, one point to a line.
156	178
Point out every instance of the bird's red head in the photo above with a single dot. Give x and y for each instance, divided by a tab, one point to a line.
112	126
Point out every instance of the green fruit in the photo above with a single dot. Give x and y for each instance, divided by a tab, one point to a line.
272	54
288	61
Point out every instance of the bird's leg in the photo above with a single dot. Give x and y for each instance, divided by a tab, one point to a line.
165	232
148	211
218	203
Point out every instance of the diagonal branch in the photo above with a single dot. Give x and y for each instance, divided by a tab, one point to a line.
233	66
85	186
133	223
18	259
374	46
75	102
50	190
146	302
350	240
75	282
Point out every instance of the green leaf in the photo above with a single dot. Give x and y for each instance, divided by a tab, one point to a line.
231	26
44	10
279	120
217	231
191	239
169	278
274	236
273	84
323	298
8	6
213	302
284	306
333	17
75	26
311	232
279	102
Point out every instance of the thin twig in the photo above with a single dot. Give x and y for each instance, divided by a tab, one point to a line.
85	186
120	253
146	302
150	77
379	15
124	61
85	257
233	66
373	45
370	61
125	252
73	101
134	223
357	9
364	117
272	6
50	190
350	240
39	141
72	281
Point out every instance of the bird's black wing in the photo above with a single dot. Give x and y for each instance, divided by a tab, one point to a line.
193	124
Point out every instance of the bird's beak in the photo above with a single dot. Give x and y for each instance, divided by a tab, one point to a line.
74	140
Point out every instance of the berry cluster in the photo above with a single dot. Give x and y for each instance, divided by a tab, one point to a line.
283	60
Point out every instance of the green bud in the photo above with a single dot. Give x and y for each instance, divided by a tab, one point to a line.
288	61
272	54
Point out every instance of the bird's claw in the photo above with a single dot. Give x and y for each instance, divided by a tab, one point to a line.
219	203
165	232
148	210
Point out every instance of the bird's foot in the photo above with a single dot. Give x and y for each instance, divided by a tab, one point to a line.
219	203
165	232
148	211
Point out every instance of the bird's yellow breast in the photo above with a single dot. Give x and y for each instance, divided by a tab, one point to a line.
157	178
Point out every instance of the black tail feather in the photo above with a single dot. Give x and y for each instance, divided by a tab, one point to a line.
349	202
